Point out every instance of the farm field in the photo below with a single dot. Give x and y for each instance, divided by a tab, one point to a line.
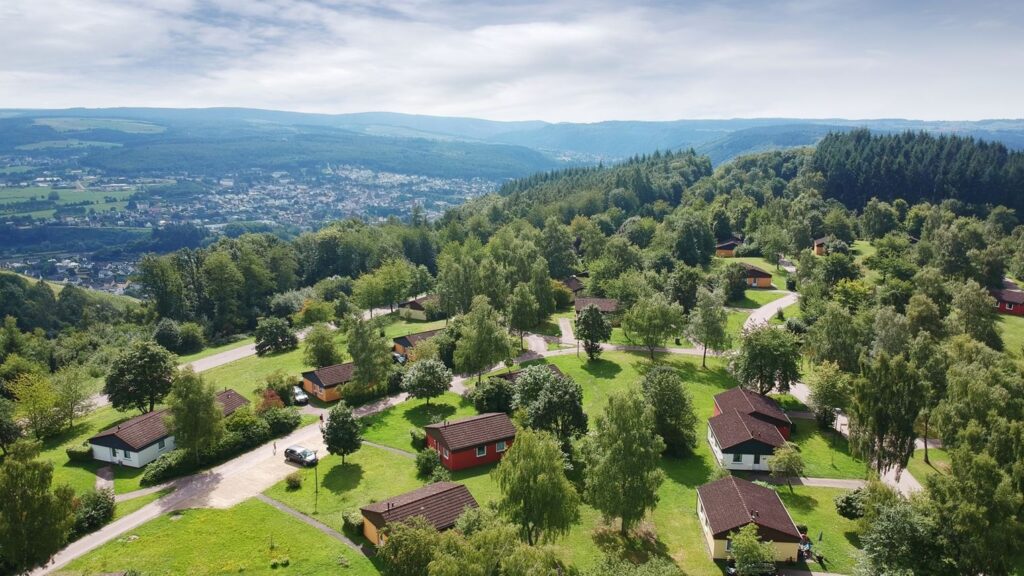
12	200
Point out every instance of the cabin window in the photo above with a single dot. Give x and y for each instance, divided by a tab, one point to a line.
736	458
113	452
728	544
481	451
500	446
160	444
1009	306
446	453
127	455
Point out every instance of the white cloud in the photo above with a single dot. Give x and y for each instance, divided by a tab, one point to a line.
571	61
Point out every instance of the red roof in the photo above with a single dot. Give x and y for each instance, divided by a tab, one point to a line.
147	429
472	431
734	428
330	376
748	402
1008	296
440	504
731	503
606	305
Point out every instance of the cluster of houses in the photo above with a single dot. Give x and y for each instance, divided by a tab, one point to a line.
106	276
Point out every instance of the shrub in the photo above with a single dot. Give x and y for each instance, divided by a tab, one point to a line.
352	522
168	334
419	438
440	474
93	510
791	284
80	453
269	399
251	429
427	461
281	383
395	380
796	325
294	480
493	395
851	504
169	465
355	394
562	294
191	338
274	335
780	314
281	420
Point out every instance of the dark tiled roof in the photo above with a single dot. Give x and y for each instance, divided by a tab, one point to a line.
734	428
147	429
747	402
330	376
729	244
418	303
821	240
1011	296
473	431
731	503
411	340
754	271
1010	284
573	283
514	375
606	305
440	504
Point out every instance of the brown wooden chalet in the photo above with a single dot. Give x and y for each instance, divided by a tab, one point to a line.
403	344
440	504
324	383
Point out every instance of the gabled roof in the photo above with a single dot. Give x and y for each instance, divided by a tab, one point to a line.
440	504
733	429
418	303
515	374
822	240
330	376
147	429
573	283
730	244
731	503
754	271
606	305
748	402
411	340
1009	296
473	431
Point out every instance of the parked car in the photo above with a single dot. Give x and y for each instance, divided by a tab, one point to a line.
299	396
397	358
300	455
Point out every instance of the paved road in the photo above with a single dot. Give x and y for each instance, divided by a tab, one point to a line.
765	313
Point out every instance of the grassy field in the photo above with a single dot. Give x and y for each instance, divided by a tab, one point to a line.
216	349
619	337
125	508
756	298
938	463
826	453
391	427
69	124
100	200
1013	334
244	539
862	249
82	475
814	508
734	325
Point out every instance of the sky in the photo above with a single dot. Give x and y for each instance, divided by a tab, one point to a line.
571	61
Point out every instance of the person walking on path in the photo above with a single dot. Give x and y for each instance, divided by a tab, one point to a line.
275	448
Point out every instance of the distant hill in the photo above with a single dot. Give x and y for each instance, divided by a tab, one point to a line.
225	139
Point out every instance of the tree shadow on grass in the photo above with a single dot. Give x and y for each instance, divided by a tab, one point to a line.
690	371
638	547
343	477
853	538
602	369
799	502
690	471
425	414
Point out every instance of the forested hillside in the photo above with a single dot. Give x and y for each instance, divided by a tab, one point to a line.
918	167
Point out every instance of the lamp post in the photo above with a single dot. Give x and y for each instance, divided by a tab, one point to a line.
316	483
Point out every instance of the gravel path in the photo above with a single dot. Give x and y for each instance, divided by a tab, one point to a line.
765	313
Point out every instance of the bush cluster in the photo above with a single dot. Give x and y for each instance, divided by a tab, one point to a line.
294	480
93	510
419	438
426	462
352	522
80	453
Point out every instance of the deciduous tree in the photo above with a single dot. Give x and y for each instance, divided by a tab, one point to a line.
830	391
768	359
707	323
409	548
536	495
653	320
674	416
622	457
194	417
10	430
274	335
753	557
592	328
320	349
523	311
140	377
343	434
370	352
787	463
484	341
886	401
427	379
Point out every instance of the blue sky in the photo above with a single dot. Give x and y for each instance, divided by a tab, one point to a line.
578	61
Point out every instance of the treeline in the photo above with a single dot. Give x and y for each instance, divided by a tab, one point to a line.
916	167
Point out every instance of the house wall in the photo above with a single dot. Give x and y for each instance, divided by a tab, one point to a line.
819	250
784	551
324	394
1012	309
755	282
411	314
400	349
137	459
725	253
370	532
726	460
467	458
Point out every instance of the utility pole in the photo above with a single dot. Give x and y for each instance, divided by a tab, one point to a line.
316	483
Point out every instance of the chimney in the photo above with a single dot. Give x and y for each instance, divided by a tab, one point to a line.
753	514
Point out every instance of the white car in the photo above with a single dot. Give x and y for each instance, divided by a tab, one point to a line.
299	395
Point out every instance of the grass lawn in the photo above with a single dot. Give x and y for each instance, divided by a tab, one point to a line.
242	539
369	475
756	298
826	453
791	311
862	249
789	402
814	508
938	463
125	508
734	325
1013	334
391	427
82	475
216	349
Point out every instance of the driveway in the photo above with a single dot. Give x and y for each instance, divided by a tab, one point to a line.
765	313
